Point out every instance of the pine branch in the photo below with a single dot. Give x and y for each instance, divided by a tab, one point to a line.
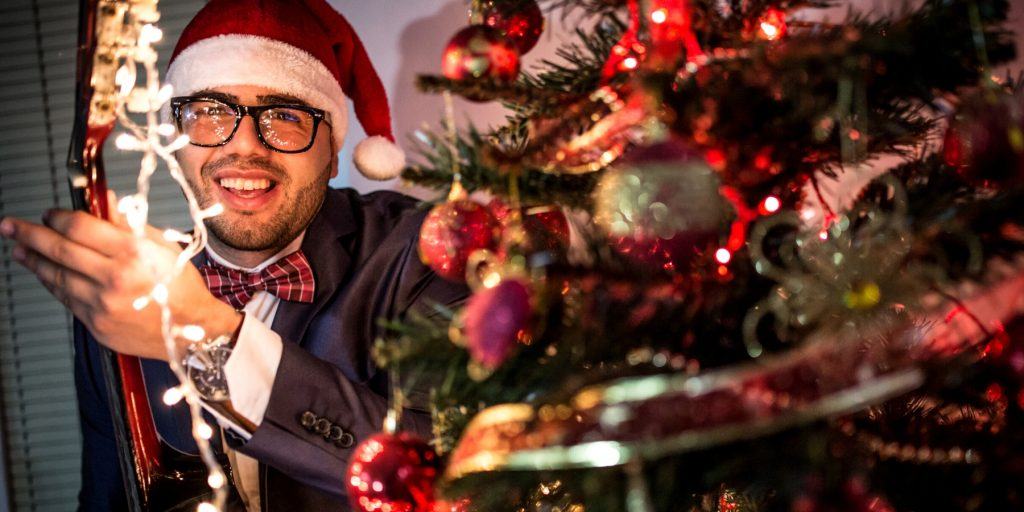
480	162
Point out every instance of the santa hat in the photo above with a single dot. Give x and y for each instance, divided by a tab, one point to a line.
302	48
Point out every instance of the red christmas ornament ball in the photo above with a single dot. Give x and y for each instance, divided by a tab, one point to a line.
393	472
480	52
495	320
451	232
521	23
985	139
546	227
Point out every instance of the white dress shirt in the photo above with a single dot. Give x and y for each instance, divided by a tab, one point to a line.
250	372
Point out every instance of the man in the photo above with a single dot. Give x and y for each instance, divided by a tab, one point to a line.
262	89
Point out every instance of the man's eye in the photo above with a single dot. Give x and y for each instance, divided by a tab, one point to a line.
212	111
288	116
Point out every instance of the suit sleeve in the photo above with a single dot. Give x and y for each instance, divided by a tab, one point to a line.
102	484
313	401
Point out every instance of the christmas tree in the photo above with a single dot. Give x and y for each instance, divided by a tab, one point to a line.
696	289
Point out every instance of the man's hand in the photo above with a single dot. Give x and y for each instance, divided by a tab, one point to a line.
97	269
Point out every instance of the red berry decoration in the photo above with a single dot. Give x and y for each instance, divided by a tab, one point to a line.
985	139
521	23
451	232
480	52
495	320
393	472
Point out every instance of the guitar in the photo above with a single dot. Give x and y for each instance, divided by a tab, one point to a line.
156	476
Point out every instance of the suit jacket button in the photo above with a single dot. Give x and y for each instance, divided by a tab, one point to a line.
334	434
346	440
308	419
322	426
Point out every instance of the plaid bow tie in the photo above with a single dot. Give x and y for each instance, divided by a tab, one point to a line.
290	278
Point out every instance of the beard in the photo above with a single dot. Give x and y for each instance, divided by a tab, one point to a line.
240	230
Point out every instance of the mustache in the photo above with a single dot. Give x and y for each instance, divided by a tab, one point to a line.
252	163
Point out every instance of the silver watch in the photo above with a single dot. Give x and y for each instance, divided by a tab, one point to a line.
204	365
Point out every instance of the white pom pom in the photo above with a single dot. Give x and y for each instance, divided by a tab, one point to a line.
378	158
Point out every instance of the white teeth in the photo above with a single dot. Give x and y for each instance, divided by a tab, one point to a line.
244	184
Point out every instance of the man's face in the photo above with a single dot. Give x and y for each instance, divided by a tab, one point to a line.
268	197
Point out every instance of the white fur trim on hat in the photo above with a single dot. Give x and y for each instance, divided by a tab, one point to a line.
378	158
238	59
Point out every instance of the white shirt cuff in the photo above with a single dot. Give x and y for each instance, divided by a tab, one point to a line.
252	367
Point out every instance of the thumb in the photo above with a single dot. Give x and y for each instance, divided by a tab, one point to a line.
116	217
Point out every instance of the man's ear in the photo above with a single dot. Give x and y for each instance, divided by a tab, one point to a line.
334	162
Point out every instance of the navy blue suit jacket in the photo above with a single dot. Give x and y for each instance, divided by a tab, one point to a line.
363	253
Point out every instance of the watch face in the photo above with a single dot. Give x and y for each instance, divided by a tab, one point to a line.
206	371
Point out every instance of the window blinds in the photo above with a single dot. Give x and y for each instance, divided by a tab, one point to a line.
38	411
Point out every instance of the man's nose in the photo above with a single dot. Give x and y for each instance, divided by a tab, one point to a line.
246	141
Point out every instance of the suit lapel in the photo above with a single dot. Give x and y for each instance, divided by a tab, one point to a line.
325	248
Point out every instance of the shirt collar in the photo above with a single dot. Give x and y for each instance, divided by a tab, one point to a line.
290	248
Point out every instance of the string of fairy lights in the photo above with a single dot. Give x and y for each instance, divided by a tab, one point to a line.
148	137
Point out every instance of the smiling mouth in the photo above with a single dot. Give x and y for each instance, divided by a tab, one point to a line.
247	188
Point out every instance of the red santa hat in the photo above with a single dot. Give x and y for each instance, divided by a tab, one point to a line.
302	48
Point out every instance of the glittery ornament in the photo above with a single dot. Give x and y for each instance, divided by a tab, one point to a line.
520	22
985	139
451	232
660	205
480	52
544	228
495	320
393	472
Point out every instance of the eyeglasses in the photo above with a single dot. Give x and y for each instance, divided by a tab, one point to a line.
211	122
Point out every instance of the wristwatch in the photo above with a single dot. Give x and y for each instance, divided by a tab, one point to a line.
204	365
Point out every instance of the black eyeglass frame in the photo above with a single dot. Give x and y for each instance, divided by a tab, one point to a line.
254	112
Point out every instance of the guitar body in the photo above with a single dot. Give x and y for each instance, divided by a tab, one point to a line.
156	477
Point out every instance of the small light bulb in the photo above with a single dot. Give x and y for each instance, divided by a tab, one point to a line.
126	142
213	211
193	333
164	95
140	303
216	480
630	63
150	34
126	203
659	16
125	79
172	235
173	395
206	507
491	280
770	31
159	293
723	255
771	204
204	430
178	143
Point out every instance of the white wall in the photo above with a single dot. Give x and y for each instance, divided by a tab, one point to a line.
405	38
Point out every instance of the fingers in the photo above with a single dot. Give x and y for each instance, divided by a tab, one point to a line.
69	287
116	217
97	234
33	238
